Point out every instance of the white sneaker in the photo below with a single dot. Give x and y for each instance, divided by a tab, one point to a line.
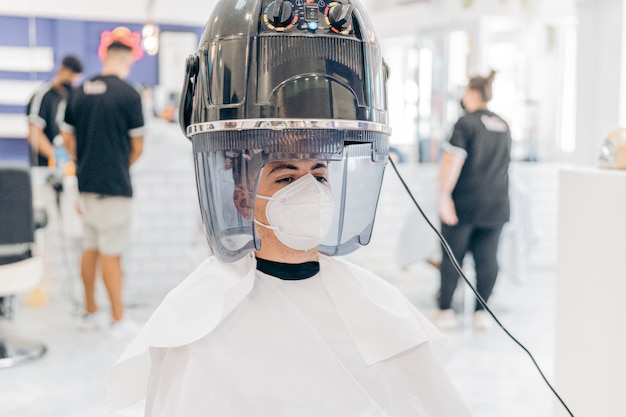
123	327
444	319
93	321
481	320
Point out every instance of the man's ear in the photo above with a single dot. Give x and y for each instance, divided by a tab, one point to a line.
243	201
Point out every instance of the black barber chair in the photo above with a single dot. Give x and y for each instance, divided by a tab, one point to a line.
21	269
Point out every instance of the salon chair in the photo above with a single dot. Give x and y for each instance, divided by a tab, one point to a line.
21	269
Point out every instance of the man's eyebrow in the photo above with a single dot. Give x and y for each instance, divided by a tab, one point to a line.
283	166
295	168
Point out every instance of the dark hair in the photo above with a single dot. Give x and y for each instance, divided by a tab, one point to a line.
483	85
73	64
120	46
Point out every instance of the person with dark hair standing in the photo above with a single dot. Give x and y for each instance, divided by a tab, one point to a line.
473	199
46	108
103	132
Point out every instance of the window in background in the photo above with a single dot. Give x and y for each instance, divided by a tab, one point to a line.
174	48
443	64
403	59
566	116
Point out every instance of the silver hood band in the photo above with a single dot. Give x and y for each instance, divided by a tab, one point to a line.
281	124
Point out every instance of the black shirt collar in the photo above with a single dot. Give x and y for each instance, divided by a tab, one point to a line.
288	271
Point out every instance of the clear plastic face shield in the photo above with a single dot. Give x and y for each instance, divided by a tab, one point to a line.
225	177
279	80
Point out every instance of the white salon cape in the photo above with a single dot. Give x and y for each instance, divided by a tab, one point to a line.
233	341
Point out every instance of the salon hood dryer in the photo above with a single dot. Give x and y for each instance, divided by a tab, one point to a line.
281	80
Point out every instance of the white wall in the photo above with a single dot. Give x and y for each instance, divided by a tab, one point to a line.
599	75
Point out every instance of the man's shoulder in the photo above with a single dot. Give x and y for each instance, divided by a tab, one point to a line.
471	118
41	91
470	122
107	86
117	82
466	121
43	88
493	122
213	275
43	98
123	89
351	270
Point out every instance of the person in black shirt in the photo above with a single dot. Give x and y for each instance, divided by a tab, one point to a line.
473	200
46	109
103	132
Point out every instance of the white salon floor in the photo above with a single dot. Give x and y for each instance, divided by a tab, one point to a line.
494	375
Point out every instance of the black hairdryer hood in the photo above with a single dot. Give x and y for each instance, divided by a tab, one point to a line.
295	63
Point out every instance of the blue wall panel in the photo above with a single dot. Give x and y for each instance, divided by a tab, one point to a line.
14	150
69	38
14	31
45	33
73	37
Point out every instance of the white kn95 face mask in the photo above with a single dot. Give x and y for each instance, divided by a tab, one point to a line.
301	213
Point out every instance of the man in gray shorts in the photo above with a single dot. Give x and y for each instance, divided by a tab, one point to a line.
103	131
106	222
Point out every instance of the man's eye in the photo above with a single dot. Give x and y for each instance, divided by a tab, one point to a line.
286	180
321	179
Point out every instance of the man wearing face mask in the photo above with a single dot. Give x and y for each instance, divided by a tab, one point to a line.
286	331
273	325
298	210
46	109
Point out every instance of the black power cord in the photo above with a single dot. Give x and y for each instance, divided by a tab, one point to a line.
446	247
